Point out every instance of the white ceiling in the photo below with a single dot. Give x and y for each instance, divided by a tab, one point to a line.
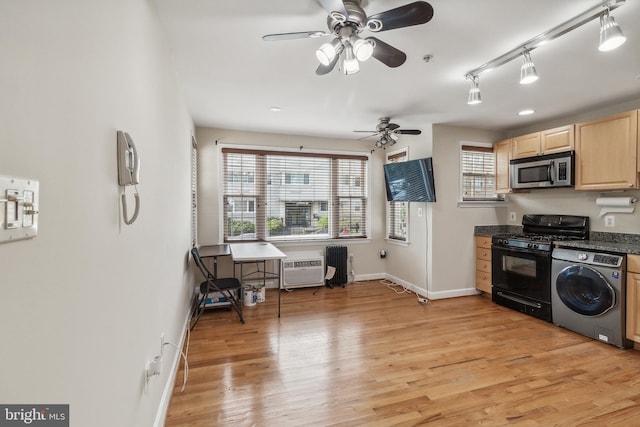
231	76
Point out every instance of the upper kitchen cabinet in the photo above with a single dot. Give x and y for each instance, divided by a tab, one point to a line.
544	142
607	153
502	153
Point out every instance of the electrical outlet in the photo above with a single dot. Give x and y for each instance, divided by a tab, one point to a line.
609	221
153	368
512	216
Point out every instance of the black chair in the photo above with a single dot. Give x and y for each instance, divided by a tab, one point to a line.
228	287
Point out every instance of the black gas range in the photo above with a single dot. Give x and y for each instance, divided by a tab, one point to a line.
521	262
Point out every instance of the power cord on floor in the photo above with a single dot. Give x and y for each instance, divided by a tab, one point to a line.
184	357
393	285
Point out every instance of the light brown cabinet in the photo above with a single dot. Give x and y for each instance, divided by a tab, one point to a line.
633	298
502	153
607	153
544	142
483	263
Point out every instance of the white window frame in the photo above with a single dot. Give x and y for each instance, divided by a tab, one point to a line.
302	240
500	200
388	237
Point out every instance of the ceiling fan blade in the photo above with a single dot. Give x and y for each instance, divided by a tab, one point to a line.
387	54
325	69
392	126
365	137
409	131
367	131
334	6
415	13
291	36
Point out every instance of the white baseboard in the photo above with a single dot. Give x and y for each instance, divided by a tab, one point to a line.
430	294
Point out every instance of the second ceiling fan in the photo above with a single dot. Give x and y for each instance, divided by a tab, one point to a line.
346	20
388	132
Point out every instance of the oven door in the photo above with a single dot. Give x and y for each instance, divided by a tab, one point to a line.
522	272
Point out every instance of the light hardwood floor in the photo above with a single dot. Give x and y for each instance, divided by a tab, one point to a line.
364	355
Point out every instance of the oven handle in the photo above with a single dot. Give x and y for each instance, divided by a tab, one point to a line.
520	300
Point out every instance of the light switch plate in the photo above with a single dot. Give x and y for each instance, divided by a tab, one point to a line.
18	208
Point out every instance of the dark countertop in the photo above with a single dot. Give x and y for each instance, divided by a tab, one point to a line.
598	241
601	245
490	230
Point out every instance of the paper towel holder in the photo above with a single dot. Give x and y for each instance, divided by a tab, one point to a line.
616	204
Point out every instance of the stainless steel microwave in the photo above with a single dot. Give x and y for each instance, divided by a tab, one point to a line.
549	170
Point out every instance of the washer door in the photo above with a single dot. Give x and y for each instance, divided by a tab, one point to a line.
585	291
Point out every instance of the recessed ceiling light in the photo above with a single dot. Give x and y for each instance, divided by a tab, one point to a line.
275	109
526	112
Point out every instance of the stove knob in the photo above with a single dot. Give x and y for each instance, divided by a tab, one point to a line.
582	256
535	246
529	245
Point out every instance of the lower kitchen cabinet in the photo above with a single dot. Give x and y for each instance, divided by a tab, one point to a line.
483	263
633	297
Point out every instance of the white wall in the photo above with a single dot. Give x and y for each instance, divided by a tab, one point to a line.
407	263
438	259
451	233
83	305
366	263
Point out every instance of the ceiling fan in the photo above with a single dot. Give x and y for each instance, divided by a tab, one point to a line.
346	21
388	132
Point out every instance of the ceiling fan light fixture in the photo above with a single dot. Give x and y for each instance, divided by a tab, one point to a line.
363	49
328	51
474	92
528	72
611	35
350	64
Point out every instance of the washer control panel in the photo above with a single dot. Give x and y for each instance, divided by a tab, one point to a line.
590	258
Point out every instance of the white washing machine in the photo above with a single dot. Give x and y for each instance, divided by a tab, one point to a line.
588	294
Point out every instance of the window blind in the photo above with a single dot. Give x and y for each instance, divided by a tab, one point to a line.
273	195
478	169
194	192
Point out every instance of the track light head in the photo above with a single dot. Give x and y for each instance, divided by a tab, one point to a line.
611	35
474	92
528	73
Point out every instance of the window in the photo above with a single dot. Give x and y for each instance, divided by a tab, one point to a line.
273	195
398	212
478	169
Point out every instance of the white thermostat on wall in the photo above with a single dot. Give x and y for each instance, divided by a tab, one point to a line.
18	208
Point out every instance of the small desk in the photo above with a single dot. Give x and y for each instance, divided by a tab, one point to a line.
258	253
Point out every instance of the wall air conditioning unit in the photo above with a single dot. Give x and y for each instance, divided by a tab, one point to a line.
303	272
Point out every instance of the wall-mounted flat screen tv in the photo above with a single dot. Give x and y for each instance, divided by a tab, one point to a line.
410	181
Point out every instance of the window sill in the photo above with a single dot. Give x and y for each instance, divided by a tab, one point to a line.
326	242
483	204
403	243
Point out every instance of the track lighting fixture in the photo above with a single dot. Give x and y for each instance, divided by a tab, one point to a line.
610	38
474	92
528	72
610	33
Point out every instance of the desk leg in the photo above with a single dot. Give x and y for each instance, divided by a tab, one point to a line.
279	262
